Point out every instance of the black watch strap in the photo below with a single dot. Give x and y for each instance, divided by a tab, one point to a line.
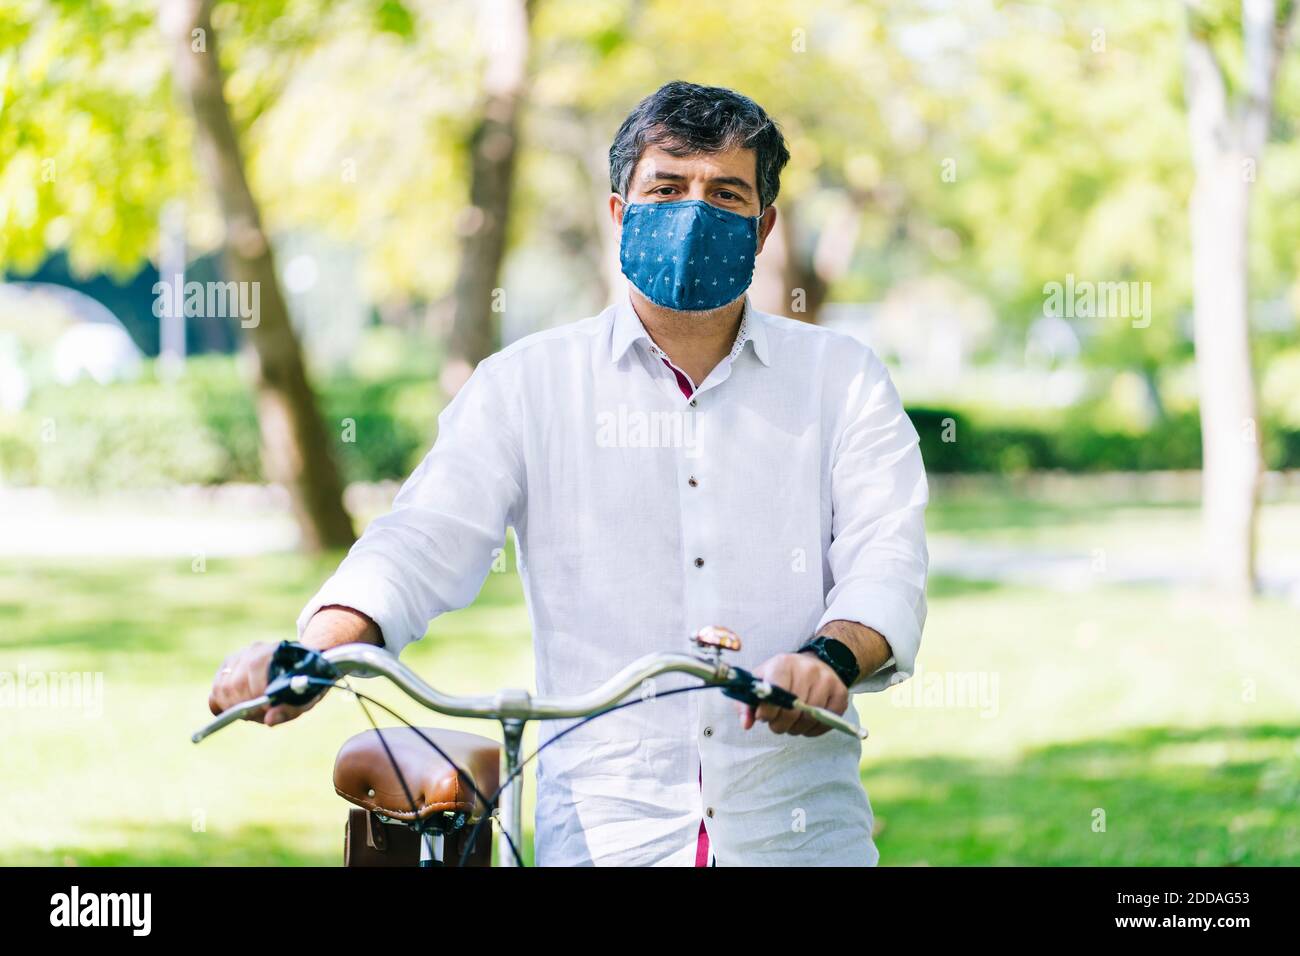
836	655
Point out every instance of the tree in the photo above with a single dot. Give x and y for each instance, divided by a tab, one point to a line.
789	282
1229	129
493	146
848	186
295	446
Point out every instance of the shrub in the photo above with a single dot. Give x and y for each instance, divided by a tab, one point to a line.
202	429
1074	443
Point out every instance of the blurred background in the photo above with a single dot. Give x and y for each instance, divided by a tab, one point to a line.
248	251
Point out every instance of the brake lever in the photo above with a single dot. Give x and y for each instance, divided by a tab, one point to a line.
229	717
298	674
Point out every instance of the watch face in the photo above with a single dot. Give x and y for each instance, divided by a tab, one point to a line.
841	653
837	656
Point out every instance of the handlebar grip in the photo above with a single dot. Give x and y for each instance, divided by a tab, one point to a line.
748	689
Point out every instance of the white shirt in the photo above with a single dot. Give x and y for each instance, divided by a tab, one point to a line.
787	493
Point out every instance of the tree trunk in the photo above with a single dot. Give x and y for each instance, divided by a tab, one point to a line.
493	146
784	283
790	284
295	445
1227	138
1229	431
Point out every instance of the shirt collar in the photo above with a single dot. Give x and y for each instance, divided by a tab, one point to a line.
628	329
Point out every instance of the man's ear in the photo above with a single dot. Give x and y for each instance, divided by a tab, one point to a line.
616	206
765	225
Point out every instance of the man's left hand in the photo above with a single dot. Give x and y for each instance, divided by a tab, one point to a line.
807	678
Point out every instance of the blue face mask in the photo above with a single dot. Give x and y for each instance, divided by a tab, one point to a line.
688	256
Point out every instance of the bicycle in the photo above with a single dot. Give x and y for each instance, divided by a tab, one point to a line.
446	788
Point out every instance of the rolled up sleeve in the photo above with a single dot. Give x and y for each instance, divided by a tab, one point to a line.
878	557
433	551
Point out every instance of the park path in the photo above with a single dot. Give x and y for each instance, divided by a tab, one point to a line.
1063	570
236	521
230	522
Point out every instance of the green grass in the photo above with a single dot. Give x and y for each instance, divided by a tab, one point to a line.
1175	716
1156	529
127	786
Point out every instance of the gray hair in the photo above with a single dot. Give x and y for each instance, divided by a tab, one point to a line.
684	118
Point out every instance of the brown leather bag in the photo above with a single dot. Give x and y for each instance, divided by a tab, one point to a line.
368	841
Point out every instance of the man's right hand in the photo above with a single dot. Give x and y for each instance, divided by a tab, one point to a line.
243	675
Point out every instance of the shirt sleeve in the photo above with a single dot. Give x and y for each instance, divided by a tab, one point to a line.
433	551
878	557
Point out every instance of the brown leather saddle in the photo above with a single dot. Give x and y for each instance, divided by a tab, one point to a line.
444	799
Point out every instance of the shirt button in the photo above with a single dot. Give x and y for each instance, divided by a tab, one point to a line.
699	562
692	482
708	731
694	402
709	813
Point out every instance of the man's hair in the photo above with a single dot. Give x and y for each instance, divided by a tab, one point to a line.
683	118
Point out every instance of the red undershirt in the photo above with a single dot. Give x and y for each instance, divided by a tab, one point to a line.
702	840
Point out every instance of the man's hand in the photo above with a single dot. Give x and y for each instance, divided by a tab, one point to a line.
808	679
814	682
243	675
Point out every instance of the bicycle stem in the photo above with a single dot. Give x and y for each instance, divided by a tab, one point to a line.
511	805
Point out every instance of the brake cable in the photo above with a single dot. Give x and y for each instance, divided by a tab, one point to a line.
738	687
294	668
469	845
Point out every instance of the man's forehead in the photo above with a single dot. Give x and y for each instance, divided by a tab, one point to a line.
658	163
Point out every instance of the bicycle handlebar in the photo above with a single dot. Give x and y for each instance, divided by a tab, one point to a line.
367	660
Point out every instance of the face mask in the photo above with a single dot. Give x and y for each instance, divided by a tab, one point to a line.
688	256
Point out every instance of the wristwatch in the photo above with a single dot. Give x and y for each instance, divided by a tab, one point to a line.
836	655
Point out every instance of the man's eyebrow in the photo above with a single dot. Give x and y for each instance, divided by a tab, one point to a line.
652	175
732	181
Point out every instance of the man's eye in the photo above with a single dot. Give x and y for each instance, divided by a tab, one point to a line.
661	190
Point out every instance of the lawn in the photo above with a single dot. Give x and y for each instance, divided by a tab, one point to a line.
1160	528
1121	725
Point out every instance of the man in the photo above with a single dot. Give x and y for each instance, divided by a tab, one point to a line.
679	460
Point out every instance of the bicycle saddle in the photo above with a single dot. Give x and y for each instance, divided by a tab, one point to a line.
364	775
